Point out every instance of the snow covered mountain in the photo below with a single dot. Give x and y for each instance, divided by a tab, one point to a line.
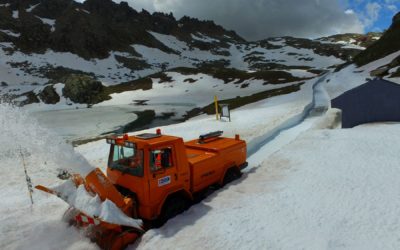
59	57
48	44
387	45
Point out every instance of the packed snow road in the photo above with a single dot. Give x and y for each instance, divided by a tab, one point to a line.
319	104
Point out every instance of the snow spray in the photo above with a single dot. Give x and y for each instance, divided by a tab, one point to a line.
42	150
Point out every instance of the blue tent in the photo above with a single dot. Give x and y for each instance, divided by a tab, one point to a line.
375	101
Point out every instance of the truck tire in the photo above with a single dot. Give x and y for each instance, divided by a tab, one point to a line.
231	175
174	205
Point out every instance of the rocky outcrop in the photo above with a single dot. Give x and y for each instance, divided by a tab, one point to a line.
96	27
49	96
322	49
84	89
388	44
363	40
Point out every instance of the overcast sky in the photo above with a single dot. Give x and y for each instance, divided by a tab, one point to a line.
258	19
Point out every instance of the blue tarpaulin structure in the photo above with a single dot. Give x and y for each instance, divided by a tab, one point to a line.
375	101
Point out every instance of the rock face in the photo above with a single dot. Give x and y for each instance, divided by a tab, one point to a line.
83	89
363	40
389	43
96	27
49	95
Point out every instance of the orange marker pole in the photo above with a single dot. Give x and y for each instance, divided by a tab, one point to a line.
216	106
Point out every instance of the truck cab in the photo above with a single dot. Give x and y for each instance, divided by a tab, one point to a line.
148	168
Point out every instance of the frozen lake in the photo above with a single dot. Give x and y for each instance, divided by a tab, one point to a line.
87	123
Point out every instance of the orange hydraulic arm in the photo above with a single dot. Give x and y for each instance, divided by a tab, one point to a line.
99	184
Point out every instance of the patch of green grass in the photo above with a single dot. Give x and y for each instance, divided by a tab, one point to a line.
132	63
61	74
238	102
142	83
144	119
145	83
275	66
230	74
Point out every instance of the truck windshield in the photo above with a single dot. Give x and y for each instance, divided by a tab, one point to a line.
126	160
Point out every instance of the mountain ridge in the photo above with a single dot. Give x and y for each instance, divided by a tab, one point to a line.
111	47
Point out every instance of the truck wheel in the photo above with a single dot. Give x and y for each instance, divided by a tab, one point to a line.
173	206
231	175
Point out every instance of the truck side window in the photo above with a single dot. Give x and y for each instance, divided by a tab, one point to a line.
160	158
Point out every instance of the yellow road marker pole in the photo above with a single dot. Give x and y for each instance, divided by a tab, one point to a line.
216	107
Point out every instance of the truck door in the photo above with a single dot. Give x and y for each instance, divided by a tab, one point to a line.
164	176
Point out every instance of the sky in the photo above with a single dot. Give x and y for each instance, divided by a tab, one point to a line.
375	15
259	19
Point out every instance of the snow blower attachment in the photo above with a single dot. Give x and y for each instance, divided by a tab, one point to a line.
97	217
150	177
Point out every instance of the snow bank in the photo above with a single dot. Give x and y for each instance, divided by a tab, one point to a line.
331	120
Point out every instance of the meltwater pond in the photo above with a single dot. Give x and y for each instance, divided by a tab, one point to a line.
87	123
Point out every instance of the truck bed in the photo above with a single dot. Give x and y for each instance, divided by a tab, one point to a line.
208	161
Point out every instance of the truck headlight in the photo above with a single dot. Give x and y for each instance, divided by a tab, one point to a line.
110	141
129	144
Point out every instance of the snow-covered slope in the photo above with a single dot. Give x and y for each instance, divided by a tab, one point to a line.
360	41
38	80
22	72
171	72
109	56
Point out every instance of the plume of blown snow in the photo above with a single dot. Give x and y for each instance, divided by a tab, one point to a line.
23	139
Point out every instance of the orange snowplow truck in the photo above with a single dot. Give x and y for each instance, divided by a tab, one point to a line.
161	172
154	177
